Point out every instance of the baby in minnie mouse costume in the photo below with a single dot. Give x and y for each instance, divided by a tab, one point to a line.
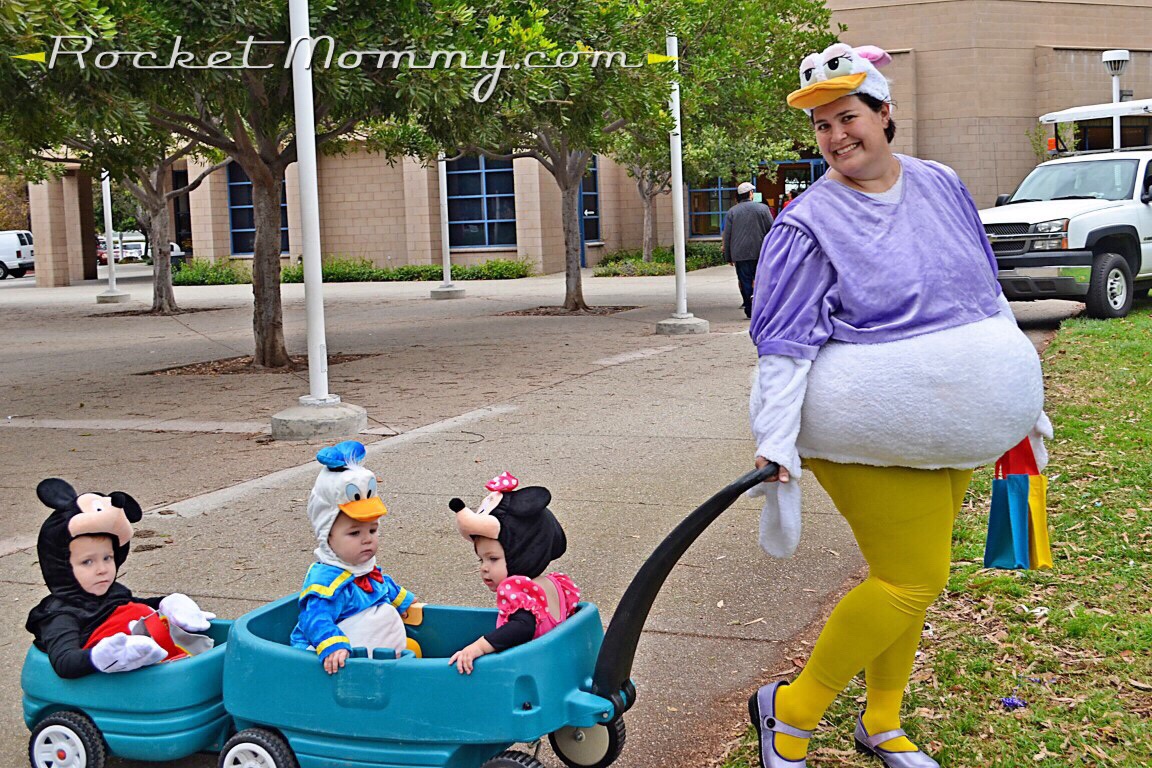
516	536
90	622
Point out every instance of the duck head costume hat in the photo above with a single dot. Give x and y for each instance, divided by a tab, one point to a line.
840	70
343	486
520	520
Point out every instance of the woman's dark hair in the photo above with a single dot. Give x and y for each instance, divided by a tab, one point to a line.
874	104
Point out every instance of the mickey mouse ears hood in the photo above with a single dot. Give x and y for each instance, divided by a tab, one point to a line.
529	532
78	515
520	520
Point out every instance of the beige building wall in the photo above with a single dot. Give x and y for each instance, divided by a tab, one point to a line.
970	77
208	209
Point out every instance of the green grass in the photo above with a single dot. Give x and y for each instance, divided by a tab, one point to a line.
1074	642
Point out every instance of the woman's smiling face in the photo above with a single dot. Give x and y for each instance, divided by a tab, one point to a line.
851	137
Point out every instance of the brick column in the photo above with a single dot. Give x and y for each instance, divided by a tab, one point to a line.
49	230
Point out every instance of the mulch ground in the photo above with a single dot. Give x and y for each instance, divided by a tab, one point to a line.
561	312
243	364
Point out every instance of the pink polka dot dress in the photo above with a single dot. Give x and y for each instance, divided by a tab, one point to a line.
520	593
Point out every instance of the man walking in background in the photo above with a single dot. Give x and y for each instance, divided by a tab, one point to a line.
745	225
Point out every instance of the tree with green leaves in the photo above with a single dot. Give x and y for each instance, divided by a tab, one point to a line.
247	114
737	63
591	78
94	117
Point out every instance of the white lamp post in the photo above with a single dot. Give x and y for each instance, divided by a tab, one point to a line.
1115	62
320	413
682	321
111	295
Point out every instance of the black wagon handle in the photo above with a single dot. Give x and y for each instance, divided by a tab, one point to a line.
614	663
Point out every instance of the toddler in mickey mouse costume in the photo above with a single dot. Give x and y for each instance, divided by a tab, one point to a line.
90	622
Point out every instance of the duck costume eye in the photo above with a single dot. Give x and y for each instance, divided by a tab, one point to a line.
840	70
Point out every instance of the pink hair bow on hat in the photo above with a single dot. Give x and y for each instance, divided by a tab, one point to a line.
502	482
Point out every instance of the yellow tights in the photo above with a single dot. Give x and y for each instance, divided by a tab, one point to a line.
902	520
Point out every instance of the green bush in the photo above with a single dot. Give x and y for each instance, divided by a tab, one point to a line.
634	268
338	270
629	262
204	272
496	269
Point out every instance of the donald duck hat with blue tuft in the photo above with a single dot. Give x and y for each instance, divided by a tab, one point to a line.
840	70
343	486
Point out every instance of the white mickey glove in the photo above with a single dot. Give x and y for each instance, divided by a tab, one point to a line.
124	653
182	611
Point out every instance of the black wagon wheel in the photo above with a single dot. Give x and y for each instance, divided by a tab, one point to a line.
257	748
67	740
3	270
594	747
512	759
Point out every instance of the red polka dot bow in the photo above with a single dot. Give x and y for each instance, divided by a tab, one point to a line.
503	482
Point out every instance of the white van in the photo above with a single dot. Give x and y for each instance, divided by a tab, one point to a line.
17	255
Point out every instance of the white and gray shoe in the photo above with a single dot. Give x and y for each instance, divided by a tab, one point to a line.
762	711
870	745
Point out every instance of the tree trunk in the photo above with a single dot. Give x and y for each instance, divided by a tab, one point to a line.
267	314
163	297
570	208
646	194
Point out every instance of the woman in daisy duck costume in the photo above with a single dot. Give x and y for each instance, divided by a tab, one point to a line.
346	601
889	365
516	536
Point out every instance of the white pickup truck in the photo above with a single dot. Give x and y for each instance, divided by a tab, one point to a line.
1079	228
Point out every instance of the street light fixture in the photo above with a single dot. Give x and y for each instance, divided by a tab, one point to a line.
1115	62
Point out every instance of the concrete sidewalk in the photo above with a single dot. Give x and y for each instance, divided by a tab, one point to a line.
630	431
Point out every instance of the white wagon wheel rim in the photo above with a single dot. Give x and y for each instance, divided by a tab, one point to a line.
248	756
61	747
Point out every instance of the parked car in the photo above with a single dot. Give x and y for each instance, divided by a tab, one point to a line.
1078	228
179	257
131	251
17	255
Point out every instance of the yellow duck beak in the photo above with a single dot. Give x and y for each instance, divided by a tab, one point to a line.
364	510
826	91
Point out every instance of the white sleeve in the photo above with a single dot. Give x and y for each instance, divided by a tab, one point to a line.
777	397
775	403
1043	429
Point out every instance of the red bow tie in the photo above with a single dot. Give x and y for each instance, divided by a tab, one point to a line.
365	581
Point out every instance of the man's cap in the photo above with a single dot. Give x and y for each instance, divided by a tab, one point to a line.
745	187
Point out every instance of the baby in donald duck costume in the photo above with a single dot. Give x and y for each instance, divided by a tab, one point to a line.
346	602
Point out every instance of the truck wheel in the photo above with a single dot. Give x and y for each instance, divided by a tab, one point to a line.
594	747
1110	288
3	270
257	748
512	759
67	740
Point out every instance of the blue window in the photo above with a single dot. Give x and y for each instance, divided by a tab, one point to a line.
481	203
242	215
590	199
707	206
